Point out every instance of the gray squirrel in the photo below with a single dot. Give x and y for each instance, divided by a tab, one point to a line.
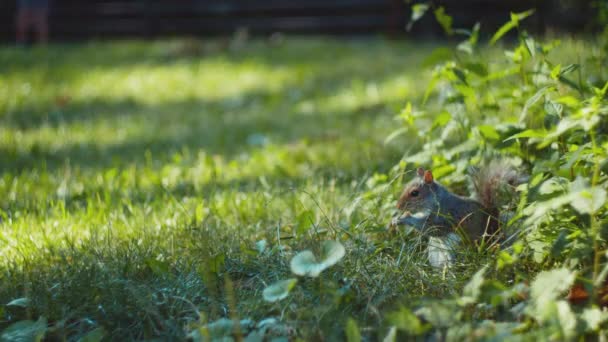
447	218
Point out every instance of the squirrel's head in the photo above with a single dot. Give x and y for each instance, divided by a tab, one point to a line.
418	192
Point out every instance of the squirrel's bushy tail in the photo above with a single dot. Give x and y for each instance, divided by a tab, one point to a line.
494	183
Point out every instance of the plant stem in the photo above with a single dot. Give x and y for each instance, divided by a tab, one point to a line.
593	221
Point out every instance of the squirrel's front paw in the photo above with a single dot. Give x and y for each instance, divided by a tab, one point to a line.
416	220
394	222
402	220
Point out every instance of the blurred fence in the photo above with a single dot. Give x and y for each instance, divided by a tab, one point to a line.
81	19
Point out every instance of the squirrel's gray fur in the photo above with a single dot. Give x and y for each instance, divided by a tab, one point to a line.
431	208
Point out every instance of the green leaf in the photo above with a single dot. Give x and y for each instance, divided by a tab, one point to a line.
440	314
541	208
553	108
221	328
255	336
584	199
95	335
568	69
532	100
442	171
305	263
567	319
460	75
25	331
549	285
469	44
593	318
513	23
556	71
599	280
530	45
545	289
472	289
20	302
406	321
430	87
395	134
352	331
488	132
504	29
332	252
391	335
437	56
271	330
477	68
216	263
565	125
418	10
569	101
522	15
444	20
304	221
407	114
529	133
279	290
553	185
442	119
590	200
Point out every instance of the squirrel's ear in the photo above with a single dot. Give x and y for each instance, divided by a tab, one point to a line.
428	176
420	172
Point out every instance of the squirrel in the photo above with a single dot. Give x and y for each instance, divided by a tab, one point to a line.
434	210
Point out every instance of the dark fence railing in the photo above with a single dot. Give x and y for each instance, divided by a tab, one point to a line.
80	19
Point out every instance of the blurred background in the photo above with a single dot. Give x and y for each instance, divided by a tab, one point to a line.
75	19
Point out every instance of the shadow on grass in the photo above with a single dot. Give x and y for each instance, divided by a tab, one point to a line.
69	60
224	126
195	125
318	66
220	126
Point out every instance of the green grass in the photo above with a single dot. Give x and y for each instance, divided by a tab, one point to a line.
137	177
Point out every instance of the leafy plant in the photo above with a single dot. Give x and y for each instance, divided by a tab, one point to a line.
306	264
279	290
543	116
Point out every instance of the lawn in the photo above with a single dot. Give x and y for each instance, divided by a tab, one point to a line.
150	187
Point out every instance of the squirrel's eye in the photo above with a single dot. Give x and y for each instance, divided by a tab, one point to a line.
414	193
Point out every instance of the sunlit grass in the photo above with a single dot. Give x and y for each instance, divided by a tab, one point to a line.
114	154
